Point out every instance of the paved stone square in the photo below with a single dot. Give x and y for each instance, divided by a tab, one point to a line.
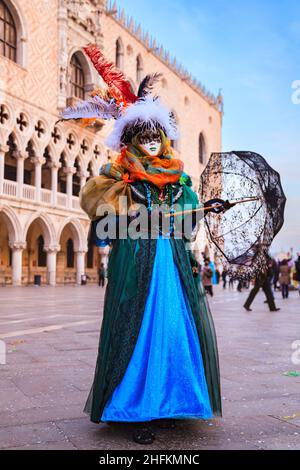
51	336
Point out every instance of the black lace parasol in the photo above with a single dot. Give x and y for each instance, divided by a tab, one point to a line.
245	232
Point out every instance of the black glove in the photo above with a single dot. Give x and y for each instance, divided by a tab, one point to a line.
221	205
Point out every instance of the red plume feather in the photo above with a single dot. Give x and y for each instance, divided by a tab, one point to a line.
110	74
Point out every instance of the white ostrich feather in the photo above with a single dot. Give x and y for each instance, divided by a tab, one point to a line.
148	110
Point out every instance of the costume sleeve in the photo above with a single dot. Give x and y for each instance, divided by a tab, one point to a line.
189	222
103	190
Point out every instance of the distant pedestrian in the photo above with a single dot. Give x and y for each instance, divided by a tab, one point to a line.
263	282
207	275
224	278
284	278
275	266
297	271
101	274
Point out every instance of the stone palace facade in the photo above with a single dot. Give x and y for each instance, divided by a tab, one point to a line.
43	164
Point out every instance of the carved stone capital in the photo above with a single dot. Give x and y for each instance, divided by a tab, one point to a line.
52	248
83	174
81	251
70	170
55	165
17	246
3	149
19	155
38	160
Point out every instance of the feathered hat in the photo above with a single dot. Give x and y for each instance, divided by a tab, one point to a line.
132	113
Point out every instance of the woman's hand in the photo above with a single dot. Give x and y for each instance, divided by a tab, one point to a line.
217	205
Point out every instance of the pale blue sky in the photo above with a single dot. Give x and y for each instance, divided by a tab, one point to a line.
250	49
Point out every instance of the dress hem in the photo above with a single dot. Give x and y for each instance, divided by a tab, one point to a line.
157	418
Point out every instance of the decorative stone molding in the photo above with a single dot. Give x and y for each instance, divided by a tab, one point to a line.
17	245
52	248
69	170
38	160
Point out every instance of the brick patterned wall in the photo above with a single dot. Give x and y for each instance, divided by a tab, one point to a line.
39	81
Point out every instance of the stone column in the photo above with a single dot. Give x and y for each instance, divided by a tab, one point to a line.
83	176
54	180
62	19
69	172
3	150
80	267
51	263
20	172
17	250
38	176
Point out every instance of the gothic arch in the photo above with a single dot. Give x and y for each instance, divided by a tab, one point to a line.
202	148
19	142
119	54
80	237
13	224
46	225
8	124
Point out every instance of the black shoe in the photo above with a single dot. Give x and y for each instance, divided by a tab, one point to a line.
274	309
143	435
247	308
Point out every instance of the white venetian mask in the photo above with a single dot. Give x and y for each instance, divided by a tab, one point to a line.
151	148
150	142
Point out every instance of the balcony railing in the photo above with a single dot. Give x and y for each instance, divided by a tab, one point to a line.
75	203
10	189
46	196
62	200
28	192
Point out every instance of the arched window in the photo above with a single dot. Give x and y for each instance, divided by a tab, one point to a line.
174	143
90	171
139	69
201	149
119	54
8	33
10	165
77	78
62	177
42	255
46	170
76	178
70	253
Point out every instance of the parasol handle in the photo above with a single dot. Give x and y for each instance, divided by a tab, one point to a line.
169	214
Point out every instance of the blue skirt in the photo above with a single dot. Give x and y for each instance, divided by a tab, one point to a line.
165	376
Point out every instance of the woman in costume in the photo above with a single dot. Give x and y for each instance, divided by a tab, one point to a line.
157	359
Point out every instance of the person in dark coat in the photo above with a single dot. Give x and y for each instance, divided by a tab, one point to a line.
285	278
224	278
207	275
263	281
101	274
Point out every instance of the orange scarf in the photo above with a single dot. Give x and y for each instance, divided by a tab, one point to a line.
159	170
